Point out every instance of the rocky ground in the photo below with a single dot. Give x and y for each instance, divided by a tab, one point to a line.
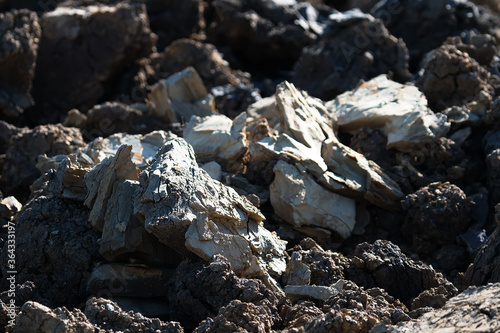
249	166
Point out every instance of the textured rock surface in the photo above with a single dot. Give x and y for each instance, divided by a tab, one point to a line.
82	49
400	111
100	315
476	308
355	47
186	209
218	138
19	37
24	147
56	251
181	96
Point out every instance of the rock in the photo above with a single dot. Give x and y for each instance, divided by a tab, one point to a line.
388	265
114	280
83	49
186	209
400	111
21	157
300	201
9	207
486	265
213	169
295	316
35	317
20	34
232	100
144	147
206	60
181	95
264	33
481	47
355	47
175	19
238	316
425	25
100	315
7	131
475	307
435	216
491	4
218	138
200	291
57	249
452	78
317	292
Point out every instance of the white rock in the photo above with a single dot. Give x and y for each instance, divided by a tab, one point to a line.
400	111
300	201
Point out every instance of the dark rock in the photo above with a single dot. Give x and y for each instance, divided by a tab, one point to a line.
481	47
115	117
182	53
200	291
239	316
175	19
297	315
486	266
399	275
101	315
435	216
20	170
451	77
56	249
82	51
352	49
425	25
19	37
232	100
265	34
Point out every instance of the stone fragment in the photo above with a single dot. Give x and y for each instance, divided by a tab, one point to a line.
400	111
214	170
186	209
82	49
19	38
355	47
183	95
317	292
218	138
299	200
25	146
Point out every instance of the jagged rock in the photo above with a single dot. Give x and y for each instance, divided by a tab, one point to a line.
19	37
232	100
475	308
425	25
7	131
82	49
218	138
213	169
183	95
35	317
144	147
481	47
266	33
299	200
200	291
400	111
9	207
435	216
399	275
355	47
56	251
100	315
239	316
24	148
186	209
112	186
453	78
